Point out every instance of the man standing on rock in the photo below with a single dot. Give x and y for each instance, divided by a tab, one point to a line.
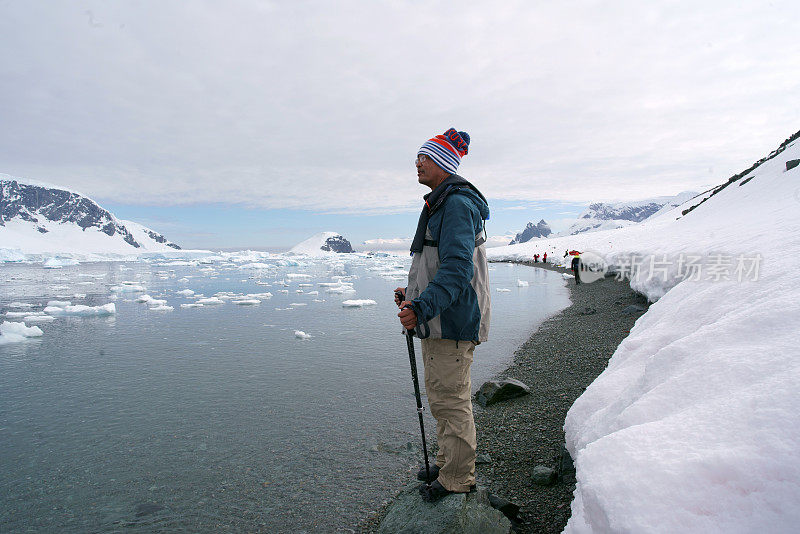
447	305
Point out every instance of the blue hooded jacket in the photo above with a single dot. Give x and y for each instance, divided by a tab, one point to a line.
448	280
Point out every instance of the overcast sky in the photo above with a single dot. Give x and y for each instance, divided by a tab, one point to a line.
318	108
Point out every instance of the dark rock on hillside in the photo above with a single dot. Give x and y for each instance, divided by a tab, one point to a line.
540	229
337	243
736	177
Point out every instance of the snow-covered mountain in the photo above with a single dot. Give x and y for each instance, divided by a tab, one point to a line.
532	231
322	243
40	219
694	424
607	216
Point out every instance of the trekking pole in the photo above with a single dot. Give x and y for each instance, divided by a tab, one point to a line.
412	357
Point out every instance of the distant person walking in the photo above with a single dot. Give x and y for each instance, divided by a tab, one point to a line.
447	305
535	258
544	258
576	268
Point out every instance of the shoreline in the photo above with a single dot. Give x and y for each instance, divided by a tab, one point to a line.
558	362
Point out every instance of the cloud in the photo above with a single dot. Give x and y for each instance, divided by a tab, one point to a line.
322	106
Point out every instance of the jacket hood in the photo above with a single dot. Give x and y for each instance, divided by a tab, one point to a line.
434	200
456	184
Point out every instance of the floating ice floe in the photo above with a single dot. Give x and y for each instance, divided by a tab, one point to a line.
184	280
358	303
39	318
79	310
14	315
57	263
128	288
185	292
503	290
298	304
210	300
266	295
192	305
144	298
16	332
59	303
343	287
305	285
283	291
522	283
313	293
20	305
246	302
299	334
161	307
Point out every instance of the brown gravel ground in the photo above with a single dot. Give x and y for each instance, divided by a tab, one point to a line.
561	359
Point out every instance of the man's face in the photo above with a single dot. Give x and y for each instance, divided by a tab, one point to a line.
428	172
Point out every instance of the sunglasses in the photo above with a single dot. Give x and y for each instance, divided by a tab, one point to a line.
422	158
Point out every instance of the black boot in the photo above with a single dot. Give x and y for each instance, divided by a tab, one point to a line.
434	473
434	492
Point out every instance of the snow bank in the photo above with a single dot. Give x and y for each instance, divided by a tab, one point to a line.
694	425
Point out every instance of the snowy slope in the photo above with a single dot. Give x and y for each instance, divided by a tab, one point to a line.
43	219
695	424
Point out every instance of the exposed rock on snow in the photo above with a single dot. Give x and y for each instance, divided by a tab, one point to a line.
321	244
532	231
607	216
35	218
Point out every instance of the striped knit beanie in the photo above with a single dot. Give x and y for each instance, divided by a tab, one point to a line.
446	150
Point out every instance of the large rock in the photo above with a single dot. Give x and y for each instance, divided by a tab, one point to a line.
459	513
494	391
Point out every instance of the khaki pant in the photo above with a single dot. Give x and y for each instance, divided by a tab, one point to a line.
447	383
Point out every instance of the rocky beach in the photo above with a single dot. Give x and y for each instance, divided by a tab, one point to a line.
519	436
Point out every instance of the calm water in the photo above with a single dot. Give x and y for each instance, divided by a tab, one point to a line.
218	419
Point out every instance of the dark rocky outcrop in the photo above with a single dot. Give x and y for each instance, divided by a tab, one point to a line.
459	513
792	163
540	229
495	391
337	243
